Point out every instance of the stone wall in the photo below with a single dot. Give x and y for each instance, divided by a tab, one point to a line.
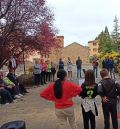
73	51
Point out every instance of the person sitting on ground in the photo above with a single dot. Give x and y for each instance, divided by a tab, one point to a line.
88	94
61	93
109	89
10	86
5	95
13	78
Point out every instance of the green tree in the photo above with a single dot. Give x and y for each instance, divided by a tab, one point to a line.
116	34
105	42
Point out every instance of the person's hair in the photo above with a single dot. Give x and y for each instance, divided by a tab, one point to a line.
89	77
61	74
104	73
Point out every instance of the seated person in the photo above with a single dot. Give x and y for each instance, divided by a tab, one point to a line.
13	78
5	95
12	88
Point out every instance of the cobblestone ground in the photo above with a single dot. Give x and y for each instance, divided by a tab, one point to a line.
39	114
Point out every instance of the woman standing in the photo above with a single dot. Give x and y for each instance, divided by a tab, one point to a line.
37	73
61	93
53	71
48	77
88	94
69	68
43	72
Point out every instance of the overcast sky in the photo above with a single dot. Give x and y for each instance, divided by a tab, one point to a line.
82	20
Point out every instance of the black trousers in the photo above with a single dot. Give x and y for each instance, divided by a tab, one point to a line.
53	77
48	77
43	77
88	117
110	109
13	91
37	79
5	96
22	89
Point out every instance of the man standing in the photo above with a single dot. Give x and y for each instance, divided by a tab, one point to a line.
61	64
79	66
95	67
12	63
109	89
112	68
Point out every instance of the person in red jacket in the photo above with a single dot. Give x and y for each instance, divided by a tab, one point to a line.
61	93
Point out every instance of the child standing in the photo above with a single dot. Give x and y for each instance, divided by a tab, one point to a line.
61	93
109	89
88	94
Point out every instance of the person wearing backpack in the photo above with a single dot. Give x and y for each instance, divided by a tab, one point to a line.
89	105
61	93
109	90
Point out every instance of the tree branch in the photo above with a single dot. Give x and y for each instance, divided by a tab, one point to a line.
8	8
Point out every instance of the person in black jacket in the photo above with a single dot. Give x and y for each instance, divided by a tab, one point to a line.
109	89
61	64
79	67
13	78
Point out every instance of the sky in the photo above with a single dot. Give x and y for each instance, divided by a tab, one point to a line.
82	20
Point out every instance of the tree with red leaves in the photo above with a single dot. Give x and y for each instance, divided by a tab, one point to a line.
25	25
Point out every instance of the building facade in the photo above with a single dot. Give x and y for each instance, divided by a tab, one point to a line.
93	48
73	51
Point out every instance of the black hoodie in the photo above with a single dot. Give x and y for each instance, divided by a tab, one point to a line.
109	87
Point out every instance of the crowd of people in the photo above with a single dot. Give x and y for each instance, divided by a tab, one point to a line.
10	87
45	71
62	91
108	63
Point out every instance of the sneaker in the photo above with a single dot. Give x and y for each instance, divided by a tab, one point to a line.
15	101
17	97
7	103
20	95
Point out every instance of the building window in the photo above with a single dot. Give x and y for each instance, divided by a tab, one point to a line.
95	49
94	44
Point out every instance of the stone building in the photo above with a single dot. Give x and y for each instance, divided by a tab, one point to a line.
93	47
73	51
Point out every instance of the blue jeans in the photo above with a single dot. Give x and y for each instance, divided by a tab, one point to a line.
79	73
96	71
